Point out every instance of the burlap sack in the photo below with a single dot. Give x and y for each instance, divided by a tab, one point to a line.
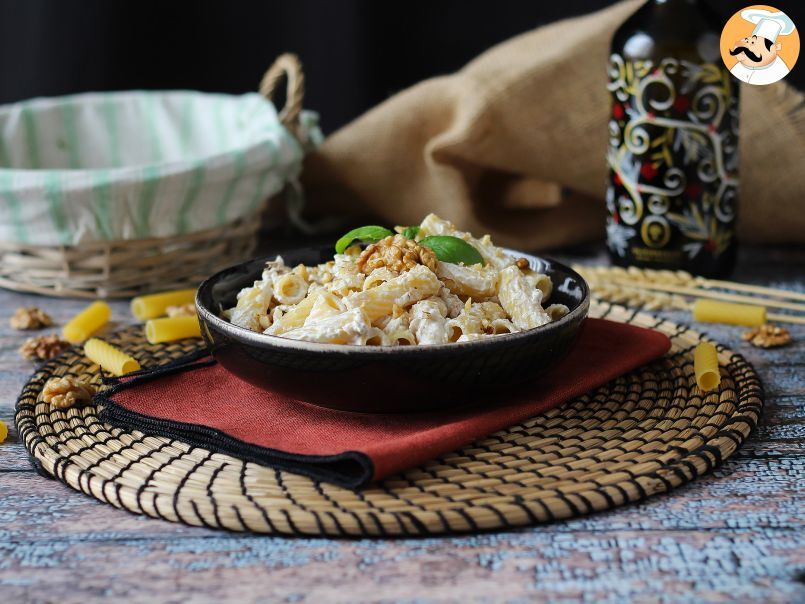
513	145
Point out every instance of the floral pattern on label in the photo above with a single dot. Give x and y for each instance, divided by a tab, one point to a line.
673	160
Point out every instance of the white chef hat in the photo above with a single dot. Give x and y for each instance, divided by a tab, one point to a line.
769	25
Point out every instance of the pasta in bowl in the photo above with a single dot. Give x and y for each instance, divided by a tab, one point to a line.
421	319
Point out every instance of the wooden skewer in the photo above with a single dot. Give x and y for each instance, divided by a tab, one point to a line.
755	289
682	278
626	295
705	293
785	318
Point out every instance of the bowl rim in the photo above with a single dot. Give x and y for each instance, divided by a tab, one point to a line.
245	335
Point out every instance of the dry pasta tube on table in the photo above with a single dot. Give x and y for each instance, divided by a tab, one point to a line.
713	311
87	322
705	366
172	328
155	305
110	358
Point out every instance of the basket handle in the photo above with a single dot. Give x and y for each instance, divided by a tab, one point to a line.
289	66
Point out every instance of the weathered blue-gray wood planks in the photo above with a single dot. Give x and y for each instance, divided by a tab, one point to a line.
736	534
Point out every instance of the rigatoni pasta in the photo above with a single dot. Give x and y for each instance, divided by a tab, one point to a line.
110	358
170	329
521	300
283	320
468	281
434	285
87	322
290	288
411	286
705	366
156	305
349	327
540	281
428	322
715	311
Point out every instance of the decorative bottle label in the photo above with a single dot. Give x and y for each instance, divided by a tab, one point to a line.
673	164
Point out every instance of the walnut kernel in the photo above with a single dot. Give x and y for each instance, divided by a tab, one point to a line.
64	392
522	263
30	317
397	253
42	348
181	310
768	336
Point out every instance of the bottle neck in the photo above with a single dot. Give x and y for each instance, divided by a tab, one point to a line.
674	8
675	3
677	23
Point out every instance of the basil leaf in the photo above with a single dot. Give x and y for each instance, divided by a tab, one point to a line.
410	232
453	250
364	234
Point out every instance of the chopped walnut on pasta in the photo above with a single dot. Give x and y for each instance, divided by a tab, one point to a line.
425	285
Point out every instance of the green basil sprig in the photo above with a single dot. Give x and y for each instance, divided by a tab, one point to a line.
364	234
453	250
410	232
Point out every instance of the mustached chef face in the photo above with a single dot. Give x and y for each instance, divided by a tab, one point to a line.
755	51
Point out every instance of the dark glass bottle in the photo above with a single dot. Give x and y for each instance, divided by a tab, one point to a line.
672	191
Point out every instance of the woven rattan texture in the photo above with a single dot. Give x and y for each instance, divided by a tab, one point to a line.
125	268
642	434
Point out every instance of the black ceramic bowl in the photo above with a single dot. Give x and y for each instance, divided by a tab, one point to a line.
386	379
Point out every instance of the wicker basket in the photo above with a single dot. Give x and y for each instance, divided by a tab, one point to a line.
127	267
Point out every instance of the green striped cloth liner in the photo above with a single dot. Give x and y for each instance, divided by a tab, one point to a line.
140	164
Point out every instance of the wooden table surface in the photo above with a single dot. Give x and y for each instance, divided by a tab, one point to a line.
734	535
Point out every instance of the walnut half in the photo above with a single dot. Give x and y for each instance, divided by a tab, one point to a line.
64	392
182	310
396	253
768	336
29	317
42	348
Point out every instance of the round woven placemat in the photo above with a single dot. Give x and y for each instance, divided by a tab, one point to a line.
642	434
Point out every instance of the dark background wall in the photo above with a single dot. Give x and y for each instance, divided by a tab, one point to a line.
355	52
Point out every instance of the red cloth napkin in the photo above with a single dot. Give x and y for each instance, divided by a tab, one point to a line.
199	402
